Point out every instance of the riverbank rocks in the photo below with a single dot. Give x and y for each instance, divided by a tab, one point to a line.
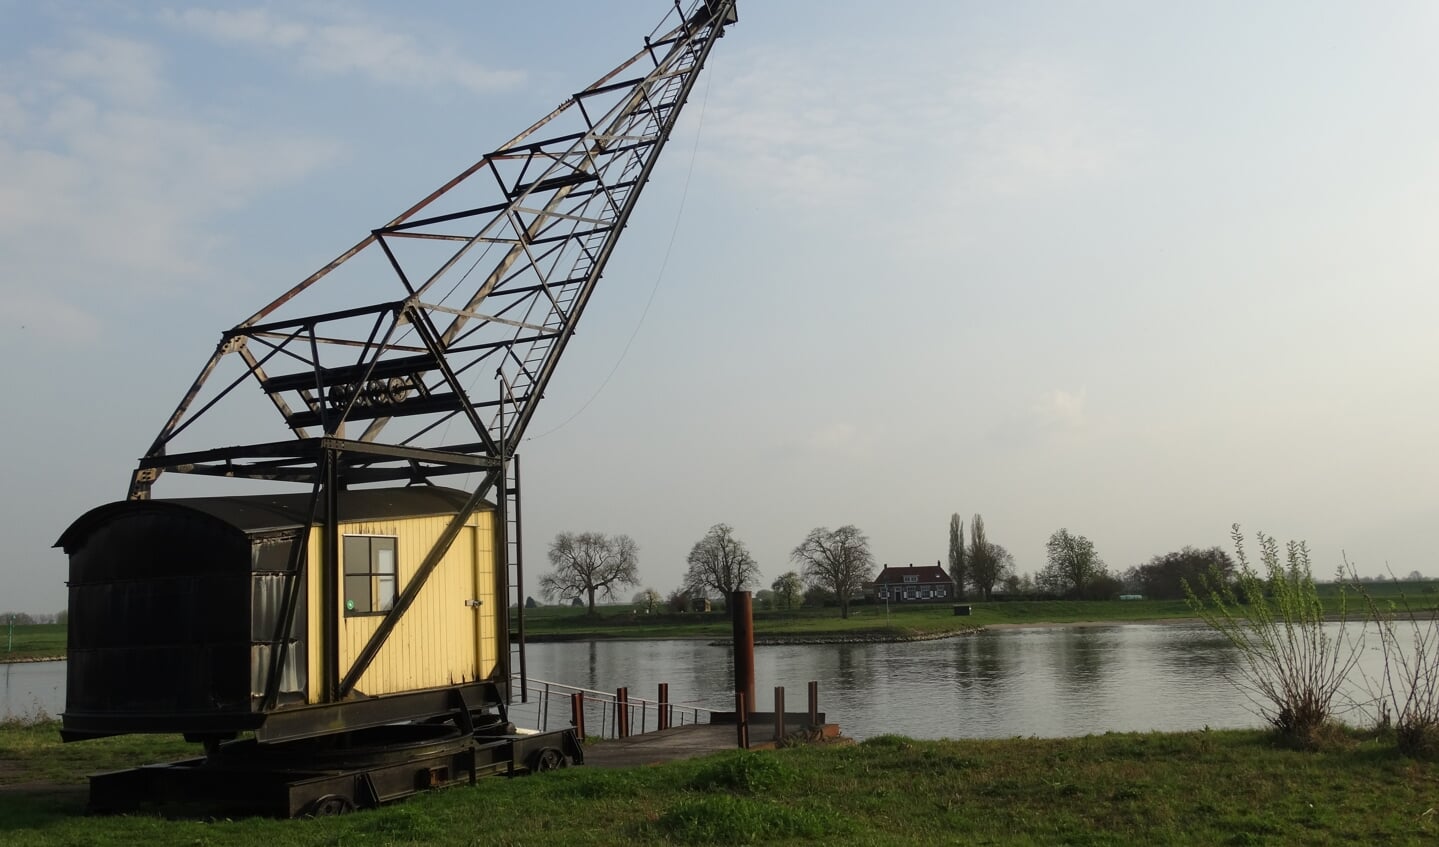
851	638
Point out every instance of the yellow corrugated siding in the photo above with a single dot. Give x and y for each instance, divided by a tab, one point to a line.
439	640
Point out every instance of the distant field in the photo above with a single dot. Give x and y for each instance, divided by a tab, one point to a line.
45	640
897	620
1421	592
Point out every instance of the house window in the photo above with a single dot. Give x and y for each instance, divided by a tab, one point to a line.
884	595
911	579
370	585
939	592
924	594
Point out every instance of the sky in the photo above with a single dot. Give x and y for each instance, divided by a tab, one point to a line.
1137	270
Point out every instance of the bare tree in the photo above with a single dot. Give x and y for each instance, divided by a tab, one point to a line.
838	561
996	565
587	563
957	570
721	563
1072	565
788	590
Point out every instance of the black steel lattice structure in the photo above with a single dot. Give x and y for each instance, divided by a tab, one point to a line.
468	299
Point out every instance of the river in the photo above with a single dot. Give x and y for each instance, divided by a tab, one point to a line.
1039	681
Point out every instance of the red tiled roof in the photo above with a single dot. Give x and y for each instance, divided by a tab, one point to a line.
893	575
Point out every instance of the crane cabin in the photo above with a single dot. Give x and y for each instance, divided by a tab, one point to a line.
199	616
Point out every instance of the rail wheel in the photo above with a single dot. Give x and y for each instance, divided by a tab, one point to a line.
547	759
330	805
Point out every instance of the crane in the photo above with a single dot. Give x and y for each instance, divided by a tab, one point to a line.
439	331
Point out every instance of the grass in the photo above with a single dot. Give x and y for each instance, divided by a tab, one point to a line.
34	641
1225	788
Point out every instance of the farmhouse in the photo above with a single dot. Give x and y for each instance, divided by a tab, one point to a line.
926	583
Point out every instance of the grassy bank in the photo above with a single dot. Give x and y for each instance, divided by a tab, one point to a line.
1189	788
897	620
33	641
620	621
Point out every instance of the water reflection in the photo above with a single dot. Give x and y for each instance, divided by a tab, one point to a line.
31	690
1043	681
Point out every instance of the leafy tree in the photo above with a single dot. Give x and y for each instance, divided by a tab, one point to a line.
1165	577
588	563
788	590
1072	564
837	561
649	600
764	599
956	554
720	563
817	596
531	603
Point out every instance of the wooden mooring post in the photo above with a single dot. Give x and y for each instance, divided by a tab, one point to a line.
664	717
622	712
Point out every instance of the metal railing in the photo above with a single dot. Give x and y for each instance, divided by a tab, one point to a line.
604	714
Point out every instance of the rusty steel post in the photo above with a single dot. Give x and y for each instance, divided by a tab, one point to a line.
664	717
813	705
742	614
741	722
577	713
778	713
622	712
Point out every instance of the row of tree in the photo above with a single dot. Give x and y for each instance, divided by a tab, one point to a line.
837	563
592	564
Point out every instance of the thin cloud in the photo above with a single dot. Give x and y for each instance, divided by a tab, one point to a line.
1058	414
808	132
375	49
112	187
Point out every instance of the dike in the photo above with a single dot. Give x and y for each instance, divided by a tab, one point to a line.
852	638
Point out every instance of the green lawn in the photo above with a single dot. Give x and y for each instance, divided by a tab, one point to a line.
898	620
1201	788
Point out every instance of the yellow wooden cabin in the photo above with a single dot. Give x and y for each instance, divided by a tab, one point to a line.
208	615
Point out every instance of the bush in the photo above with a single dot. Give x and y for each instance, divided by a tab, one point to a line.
1290	667
1407	690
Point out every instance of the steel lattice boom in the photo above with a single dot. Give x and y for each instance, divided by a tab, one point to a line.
472	295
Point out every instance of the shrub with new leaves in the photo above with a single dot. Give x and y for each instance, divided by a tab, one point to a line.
1291	666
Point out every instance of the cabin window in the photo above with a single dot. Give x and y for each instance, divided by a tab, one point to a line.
370	585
